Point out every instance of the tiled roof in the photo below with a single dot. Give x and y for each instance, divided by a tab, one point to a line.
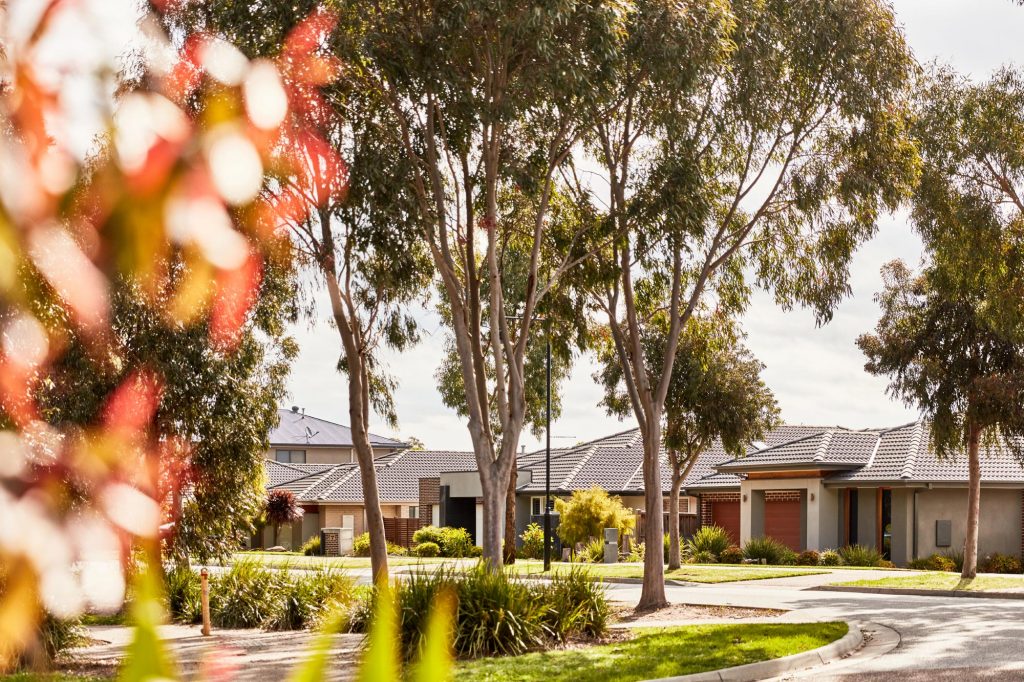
295	428
833	447
279	473
398	477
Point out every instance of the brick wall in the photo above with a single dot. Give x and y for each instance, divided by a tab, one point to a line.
705	504
430	494
781	495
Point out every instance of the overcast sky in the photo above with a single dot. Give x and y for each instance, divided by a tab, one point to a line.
816	373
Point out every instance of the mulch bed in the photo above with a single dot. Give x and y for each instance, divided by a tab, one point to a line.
694	612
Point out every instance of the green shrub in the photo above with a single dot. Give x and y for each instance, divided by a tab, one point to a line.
427	534
396	550
665	542
830	557
184	594
808	557
427	549
765	549
588	512
935	562
713	539
885	563
476	551
860	555
592	552
702	557
312	546
533	542
455	542
636	553
361	545
787	557
1001	563
957	557
56	635
305	599
731	555
575	605
247	596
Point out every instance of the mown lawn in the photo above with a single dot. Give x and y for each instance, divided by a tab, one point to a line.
698	573
296	560
659	652
934	580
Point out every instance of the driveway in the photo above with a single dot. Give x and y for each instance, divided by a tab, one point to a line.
918	638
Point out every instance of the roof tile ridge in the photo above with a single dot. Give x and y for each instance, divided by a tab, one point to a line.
819	452
816	434
342	480
579	466
910	463
874	450
640	467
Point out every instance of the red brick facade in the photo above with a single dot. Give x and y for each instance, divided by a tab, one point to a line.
705	504
781	495
430	494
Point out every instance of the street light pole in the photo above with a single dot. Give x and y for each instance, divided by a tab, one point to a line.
547	462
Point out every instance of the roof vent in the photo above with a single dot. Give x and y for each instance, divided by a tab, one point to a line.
295	409
759	445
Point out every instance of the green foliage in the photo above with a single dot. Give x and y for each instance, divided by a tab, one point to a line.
397	550
588	512
361	545
711	539
702	556
956	556
307	598
1001	563
830	557
428	534
427	549
576	605
808	557
787	557
496	614
860	555
766	549
592	551
311	547
731	555
184	594
456	542
935	562
246	596
636	553
533	542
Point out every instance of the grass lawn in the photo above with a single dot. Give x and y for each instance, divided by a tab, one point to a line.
698	573
659	652
934	580
296	560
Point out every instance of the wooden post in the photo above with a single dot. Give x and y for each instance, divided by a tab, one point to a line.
205	578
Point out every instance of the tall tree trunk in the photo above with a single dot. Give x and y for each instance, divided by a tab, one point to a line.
494	491
510	518
674	558
359	419
970	569
652	593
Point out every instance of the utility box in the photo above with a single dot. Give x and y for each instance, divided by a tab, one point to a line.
943	533
611	545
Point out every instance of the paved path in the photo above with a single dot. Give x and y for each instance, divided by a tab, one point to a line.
939	638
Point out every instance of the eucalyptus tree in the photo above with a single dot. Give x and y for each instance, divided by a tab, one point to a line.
486	99
716	393
952	339
750	143
943	355
359	236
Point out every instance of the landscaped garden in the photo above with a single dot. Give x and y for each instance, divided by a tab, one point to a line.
934	580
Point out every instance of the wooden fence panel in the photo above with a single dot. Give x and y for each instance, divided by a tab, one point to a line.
399	531
688	525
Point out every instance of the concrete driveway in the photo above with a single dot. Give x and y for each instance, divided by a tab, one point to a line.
909	637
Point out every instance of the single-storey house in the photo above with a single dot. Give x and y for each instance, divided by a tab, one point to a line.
810	487
313	458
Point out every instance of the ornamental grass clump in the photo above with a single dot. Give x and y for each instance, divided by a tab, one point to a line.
860	555
766	550
304	600
184	593
711	539
575	605
247	596
830	557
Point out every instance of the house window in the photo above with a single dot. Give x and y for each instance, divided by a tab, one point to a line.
291	456
536	506
414	512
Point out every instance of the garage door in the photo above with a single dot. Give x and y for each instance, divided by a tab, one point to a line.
727	515
782	522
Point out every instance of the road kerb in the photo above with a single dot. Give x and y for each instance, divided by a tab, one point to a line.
761	670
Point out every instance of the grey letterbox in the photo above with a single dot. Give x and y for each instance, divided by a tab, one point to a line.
611	545
943	533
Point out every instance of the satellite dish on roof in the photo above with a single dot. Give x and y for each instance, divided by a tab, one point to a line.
310	433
